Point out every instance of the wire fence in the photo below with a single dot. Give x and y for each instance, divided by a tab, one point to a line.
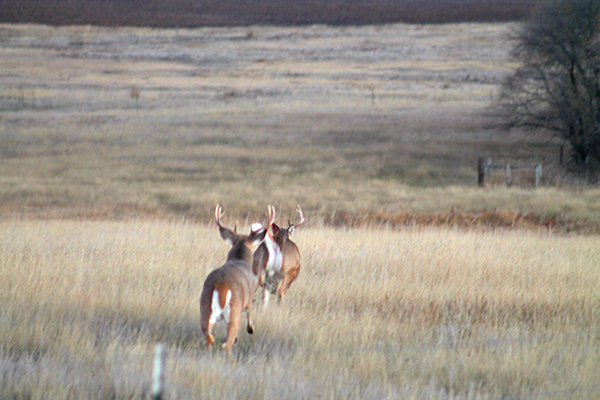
515	173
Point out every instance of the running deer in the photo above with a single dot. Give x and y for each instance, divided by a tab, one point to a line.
277	260
228	290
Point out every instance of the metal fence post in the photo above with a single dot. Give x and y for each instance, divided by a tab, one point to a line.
158	378
538	175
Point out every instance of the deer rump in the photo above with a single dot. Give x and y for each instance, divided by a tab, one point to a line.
278	264
226	290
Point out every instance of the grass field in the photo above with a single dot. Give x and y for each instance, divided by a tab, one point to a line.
116	144
423	314
109	123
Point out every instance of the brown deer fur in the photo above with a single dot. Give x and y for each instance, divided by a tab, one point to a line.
228	290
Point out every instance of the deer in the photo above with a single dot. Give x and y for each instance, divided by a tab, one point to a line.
228	290
276	261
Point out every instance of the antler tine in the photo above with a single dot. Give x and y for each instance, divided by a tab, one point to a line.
218	214
302	219
272	215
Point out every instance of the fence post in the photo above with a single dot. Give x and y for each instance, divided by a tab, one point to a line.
158	379
508	180
538	175
562	147
480	172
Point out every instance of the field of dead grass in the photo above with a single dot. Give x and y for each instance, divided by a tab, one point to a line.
111	123
416	313
116	144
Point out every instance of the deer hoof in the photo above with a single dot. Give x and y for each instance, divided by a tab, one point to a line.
209	340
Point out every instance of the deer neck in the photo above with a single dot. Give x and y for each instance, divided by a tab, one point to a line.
240	252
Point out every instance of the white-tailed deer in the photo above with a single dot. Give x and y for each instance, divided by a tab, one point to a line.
228	290
277	260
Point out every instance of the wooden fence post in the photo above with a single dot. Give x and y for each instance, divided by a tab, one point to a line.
480	172
158	378
562	147
508	180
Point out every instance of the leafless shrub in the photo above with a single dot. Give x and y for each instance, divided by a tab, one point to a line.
557	88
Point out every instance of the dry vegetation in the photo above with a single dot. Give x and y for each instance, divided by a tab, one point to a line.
109	123
424	314
115	143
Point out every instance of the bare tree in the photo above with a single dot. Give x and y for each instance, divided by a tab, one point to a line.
557	86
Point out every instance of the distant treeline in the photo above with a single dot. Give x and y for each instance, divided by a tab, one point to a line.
197	13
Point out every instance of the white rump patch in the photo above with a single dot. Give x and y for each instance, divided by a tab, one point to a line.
217	312
275	257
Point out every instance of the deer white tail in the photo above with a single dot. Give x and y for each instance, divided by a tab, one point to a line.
218	309
275	256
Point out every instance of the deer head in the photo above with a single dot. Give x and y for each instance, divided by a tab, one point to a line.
288	232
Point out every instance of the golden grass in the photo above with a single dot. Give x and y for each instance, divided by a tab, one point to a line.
355	121
421	313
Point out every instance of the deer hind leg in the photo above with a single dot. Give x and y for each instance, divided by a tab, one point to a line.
206	325
285	283
232	329
207	328
280	294
249	325
282	288
210	339
265	297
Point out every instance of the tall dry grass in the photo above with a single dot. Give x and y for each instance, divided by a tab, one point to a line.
423	313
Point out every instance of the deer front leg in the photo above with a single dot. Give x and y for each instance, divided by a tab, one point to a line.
265	297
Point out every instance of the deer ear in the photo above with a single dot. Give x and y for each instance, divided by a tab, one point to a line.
276	229
258	236
290	232
228	235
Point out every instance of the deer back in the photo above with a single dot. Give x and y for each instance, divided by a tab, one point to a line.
234	276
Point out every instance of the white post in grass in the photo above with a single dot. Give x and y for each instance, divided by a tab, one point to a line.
538	175
158	372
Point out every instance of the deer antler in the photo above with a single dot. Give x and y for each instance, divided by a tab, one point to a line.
218	214
302	219
272	215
